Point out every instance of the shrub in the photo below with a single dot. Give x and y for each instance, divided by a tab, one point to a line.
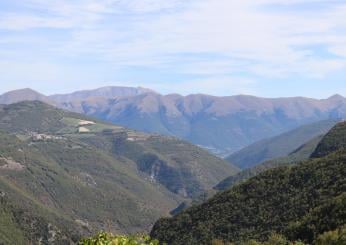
336	237
104	238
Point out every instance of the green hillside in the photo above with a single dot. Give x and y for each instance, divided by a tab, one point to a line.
303	152
334	140
279	146
77	175
301	202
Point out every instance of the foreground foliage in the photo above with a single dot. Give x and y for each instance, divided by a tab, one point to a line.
104	238
336	237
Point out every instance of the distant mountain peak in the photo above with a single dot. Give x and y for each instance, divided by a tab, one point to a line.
107	92
22	95
23	90
336	97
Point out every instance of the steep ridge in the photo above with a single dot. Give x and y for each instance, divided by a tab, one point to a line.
280	145
303	152
77	175
295	201
104	92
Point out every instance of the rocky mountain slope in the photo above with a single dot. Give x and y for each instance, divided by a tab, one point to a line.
300	202
104	92
63	174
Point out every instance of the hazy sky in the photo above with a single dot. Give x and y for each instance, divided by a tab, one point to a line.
262	47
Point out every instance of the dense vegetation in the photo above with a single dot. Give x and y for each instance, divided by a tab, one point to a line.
108	238
334	140
279	146
334	237
29	222
60	184
300	202
303	152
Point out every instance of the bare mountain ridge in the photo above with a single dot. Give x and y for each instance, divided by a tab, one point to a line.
224	124
104	92
23	94
178	105
221	124
149	101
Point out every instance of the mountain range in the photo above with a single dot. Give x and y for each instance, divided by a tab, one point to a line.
221	124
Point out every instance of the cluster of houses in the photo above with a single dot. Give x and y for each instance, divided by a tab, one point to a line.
43	137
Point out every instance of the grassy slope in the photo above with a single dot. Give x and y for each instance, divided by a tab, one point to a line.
293	200
280	145
93	179
10	232
25	220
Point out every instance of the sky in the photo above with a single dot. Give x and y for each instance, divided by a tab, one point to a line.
269	48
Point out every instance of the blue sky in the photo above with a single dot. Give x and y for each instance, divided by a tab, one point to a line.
270	48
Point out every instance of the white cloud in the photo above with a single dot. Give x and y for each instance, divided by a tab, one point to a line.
339	50
221	37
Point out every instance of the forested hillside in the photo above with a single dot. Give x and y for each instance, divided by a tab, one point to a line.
303	152
64	174
300	202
